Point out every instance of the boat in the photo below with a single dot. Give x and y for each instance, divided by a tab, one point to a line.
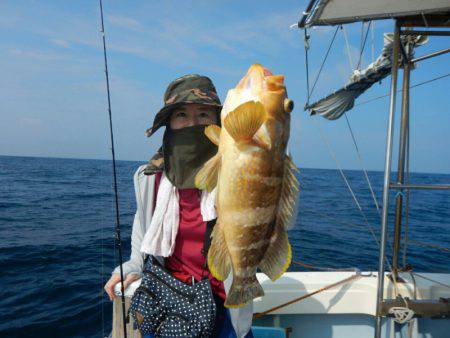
393	302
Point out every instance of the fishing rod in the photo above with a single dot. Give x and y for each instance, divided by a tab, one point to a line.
116	195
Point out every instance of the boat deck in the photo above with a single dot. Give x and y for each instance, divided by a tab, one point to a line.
346	310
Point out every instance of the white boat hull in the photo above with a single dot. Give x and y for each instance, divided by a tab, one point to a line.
344	311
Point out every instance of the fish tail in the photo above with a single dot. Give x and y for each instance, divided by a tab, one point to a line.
242	291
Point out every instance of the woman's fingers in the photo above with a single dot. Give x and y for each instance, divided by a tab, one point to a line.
115	278
109	286
130	279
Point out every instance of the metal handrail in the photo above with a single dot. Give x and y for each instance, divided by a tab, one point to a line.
420	186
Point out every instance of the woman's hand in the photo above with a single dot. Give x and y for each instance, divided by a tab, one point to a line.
115	278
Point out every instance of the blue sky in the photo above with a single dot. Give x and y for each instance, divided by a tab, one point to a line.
53	100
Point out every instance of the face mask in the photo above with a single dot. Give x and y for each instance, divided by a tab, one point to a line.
185	151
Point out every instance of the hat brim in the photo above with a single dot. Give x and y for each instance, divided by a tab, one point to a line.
164	114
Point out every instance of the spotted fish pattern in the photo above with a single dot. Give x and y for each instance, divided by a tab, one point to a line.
256	185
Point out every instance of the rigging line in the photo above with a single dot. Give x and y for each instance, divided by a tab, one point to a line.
400	90
333	218
350	60
337	163
362	226
368	228
431	280
323	62
306	44
372	233
373	40
361	41
330	150
116	195
363	46
346	280
309	266
362	164
430	246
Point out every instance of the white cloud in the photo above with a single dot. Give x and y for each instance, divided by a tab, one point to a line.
60	43
124	22
31	122
37	54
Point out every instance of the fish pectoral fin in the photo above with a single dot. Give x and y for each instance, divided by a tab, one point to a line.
242	292
219	263
213	133
206	178
243	122
278	256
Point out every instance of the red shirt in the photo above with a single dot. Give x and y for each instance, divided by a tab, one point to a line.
187	259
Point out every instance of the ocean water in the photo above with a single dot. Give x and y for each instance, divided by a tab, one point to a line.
57	236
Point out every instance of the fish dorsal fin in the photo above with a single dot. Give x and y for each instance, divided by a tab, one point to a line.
206	178
243	122
287	211
213	133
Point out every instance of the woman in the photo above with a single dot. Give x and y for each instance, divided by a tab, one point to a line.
174	233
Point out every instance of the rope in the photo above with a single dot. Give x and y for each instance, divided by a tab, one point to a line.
330	150
360	43
334	219
402	315
346	280
373	41
362	164
304	265
431	280
323	63
309	266
363	44
350	61
116	195
431	246
306	44
400	90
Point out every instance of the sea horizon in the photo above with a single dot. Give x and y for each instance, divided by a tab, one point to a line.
144	161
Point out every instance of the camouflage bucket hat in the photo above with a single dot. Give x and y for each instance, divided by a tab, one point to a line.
190	88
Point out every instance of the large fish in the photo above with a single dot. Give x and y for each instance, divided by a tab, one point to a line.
256	186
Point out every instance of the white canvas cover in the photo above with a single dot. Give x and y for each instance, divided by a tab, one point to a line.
331	12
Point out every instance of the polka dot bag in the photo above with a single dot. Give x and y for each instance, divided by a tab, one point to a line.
167	307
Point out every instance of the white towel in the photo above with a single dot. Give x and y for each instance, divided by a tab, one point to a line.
159	239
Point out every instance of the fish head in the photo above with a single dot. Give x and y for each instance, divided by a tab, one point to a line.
260	85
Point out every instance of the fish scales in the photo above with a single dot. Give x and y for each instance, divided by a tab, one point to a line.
252	174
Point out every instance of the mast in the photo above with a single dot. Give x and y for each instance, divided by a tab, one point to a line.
404	132
387	178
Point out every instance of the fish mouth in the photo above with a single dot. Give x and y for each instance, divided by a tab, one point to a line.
261	78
